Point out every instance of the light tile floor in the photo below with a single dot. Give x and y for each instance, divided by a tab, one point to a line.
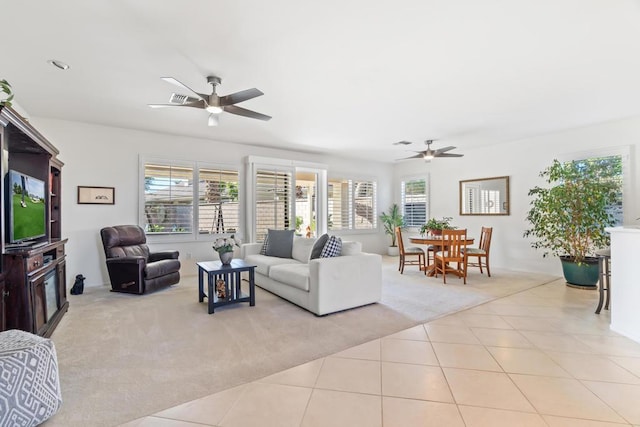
537	358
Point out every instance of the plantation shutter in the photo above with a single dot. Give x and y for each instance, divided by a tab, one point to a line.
414	202
218	207
273	201
339	205
168	199
364	205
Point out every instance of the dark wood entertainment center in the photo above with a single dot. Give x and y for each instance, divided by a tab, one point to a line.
33	291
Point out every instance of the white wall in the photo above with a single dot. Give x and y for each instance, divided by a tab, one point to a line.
105	156
108	157
522	161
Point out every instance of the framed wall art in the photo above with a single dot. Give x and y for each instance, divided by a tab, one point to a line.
96	195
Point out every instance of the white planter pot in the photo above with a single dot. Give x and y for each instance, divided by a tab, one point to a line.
393	251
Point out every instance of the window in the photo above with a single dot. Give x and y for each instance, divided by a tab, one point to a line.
352	205
168	198
174	205
273	201
218	209
414	202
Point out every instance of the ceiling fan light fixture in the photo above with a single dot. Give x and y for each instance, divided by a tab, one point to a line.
428	156
213	120
213	109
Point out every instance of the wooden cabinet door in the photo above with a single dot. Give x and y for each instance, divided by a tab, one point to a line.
3	322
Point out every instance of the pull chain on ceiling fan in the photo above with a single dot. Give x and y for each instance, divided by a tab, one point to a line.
213	103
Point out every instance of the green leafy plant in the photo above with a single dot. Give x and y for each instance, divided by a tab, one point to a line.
569	218
437	224
5	87
392	220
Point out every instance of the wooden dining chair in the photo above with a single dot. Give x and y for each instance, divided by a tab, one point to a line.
409	256
482	251
451	257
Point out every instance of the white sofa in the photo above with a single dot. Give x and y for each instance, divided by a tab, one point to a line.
322	285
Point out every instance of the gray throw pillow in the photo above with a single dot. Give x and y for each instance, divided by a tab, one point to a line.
318	246
279	243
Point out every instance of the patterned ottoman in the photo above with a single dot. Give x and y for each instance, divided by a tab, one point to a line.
29	383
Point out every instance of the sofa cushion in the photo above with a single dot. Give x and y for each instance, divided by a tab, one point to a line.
161	268
295	275
302	249
351	248
318	246
279	243
332	248
264	263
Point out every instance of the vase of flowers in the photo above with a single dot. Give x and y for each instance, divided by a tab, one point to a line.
224	246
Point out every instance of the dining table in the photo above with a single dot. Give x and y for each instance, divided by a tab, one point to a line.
436	242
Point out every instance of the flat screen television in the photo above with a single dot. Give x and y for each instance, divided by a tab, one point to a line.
27	208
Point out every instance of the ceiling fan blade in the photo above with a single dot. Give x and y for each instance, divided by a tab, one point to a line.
449	155
445	149
233	109
403	143
213	119
197	104
241	96
417	156
182	85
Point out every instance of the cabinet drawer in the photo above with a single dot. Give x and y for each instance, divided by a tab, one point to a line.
34	262
59	251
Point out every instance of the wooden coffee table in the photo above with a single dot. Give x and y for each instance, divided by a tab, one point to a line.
231	275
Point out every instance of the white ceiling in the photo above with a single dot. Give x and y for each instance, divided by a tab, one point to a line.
347	77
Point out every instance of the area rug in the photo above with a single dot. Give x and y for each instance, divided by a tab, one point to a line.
125	356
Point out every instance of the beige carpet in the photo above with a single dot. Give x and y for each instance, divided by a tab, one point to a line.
125	356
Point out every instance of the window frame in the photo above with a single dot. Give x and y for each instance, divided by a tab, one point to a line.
427	189
194	235
352	180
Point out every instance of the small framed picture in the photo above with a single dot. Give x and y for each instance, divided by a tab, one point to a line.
96	195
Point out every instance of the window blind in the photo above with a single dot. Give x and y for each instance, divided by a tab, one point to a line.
414	202
218	207
273	201
168	199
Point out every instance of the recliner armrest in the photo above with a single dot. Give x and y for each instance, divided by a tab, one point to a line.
126	260
157	256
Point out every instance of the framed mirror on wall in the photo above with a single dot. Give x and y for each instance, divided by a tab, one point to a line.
485	196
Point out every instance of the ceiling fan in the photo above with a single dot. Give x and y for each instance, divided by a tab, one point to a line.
429	154
213	103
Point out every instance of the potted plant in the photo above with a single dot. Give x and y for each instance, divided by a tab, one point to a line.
390	221
5	88
435	226
225	246
569	217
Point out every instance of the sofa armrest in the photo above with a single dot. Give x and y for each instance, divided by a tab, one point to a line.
249	249
344	282
157	256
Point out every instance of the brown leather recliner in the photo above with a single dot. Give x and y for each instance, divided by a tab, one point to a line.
132	268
